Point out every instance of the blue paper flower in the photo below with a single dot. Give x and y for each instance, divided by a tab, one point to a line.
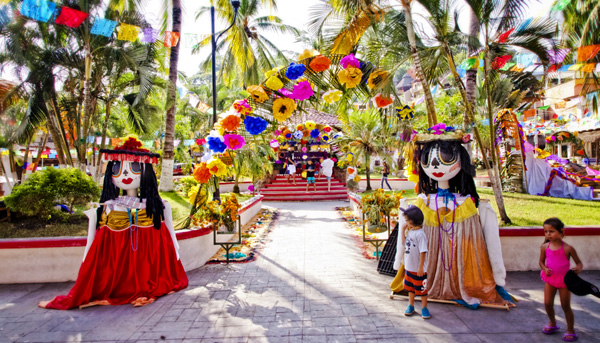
298	134
216	145
314	133
295	70
255	125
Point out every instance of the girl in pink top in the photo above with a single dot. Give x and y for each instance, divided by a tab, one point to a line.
554	261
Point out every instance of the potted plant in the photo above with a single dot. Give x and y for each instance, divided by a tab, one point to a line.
378	207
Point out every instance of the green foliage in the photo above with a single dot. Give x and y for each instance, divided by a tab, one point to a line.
42	190
185	184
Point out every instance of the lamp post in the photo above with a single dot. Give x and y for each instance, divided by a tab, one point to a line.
214	39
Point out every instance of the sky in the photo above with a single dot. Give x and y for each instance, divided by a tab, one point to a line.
293	12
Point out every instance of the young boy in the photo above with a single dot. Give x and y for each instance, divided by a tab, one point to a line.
310	176
415	260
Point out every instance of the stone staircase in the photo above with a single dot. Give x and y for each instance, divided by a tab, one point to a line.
280	190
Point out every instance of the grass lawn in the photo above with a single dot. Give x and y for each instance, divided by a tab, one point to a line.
532	210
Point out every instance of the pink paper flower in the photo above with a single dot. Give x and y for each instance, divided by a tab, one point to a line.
242	107
466	138
303	149
302	91
438	129
351	61
200	141
251	188
274	144
285	93
233	141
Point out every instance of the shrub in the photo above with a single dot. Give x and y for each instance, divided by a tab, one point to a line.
43	190
185	184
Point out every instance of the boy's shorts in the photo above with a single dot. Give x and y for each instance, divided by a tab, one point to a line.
310	180
415	284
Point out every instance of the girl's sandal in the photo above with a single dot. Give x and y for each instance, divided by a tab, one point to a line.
570	337
548	330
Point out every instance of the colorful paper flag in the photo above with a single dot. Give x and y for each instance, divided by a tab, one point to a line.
500	61
588	68
576	67
560	5
103	27
70	17
190	40
544	107
128	32
470	63
150	35
4	16
584	53
507	66
171	39
554	67
504	37
557	56
40	10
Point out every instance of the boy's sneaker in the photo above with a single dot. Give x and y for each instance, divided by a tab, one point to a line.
425	313
410	310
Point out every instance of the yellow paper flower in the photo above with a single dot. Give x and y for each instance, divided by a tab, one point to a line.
283	108
217	167
194	192
350	77
378	79
310	125
332	96
307	53
274	83
299	127
258	93
271	72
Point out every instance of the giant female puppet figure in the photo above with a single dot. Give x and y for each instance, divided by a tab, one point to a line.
464	258
131	256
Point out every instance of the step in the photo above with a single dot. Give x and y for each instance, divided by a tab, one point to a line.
309	197
301	189
302	184
303	192
324	180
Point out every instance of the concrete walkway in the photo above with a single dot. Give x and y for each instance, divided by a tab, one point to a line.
310	284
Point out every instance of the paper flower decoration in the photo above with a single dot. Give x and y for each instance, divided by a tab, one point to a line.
242	107
327	129
298	134
306	133
350	157
302	91
310	125
255	125
216	144
283	108
231	122
350	77
201	173
303	149
234	142
314	133
274	83
217	167
350	61
286	93
307	53
251	188
200	141
378	79
299	127
332	96
405	112
274	144
288	135
271	72
438	129
295	70
304	156
320	63
258	93
382	101
325	137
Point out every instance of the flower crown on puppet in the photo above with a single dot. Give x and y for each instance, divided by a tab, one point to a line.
130	150
441	132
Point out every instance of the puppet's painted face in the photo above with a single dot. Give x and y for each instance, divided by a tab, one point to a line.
440	163
127	175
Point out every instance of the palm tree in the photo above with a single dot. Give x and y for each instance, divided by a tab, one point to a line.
248	54
581	20
255	159
365	136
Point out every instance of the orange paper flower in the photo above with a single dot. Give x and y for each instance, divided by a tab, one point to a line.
231	122
258	93
350	77
201	173
381	101
320	63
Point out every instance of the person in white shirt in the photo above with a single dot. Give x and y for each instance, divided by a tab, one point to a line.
327	170
415	260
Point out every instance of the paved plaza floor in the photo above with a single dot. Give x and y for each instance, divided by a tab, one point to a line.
309	284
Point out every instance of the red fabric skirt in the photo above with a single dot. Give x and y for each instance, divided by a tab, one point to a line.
122	266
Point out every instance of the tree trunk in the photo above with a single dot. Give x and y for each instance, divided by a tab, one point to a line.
431	116
166	175
368	171
87	113
103	143
471	82
39	152
495	176
25	158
